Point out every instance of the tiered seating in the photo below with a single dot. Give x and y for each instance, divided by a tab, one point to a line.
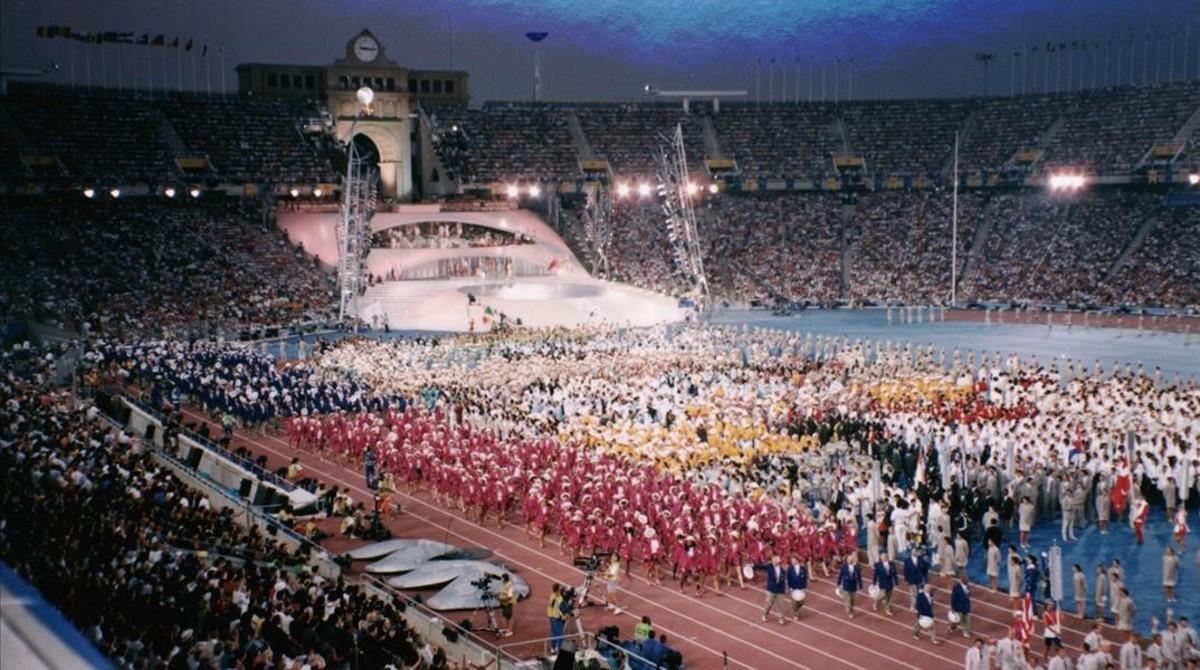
140	266
1042	249
790	241
100	137
627	136
450	141
249	141
1165	269
525	143
904	137
901	252
1109	131
779	140
1004	126
640	253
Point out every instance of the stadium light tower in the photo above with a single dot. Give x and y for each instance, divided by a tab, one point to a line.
985	57
536	37
354	229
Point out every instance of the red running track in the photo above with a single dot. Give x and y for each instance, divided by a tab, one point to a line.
702	629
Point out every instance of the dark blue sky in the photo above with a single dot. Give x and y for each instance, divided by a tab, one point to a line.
608	49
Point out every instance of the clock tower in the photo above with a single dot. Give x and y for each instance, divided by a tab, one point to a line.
389	123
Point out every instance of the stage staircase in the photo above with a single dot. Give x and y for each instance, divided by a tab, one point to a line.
983	230
757	279
1147	226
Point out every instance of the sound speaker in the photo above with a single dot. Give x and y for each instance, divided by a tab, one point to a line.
193	458
450	634
151	430
245	489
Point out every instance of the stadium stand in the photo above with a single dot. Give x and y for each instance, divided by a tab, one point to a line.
145	266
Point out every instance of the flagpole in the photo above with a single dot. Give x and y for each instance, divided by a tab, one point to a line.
224	89
207	74
954	231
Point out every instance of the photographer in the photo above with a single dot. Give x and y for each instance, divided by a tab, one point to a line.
507	598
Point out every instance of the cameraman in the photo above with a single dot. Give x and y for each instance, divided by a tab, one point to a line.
507	597
554	612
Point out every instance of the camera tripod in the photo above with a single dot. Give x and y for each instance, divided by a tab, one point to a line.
489	607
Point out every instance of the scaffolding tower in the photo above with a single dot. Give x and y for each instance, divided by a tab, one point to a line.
676	191
354	231
598	227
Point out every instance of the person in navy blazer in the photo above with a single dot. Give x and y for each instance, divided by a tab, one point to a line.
925	609
797	580
916	567
850	581
960	604
776	586
885	580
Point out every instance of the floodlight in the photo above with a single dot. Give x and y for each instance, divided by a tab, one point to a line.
169	192
712	188
195	193
644	190
513	191
365	96
317	192
454	128
692	189
89	192
294	192
116	192
535	191
1194	179
622	190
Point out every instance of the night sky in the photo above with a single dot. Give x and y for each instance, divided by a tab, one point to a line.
610	49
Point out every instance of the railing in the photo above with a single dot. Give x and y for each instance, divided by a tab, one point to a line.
246	464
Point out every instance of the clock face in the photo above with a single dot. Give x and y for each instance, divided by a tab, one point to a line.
366	48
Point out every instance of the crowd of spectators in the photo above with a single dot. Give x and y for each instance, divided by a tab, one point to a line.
102	136
435	235
90	519
900	250
145	266
250	141
910	137
1002	127
895	247
1105	131
503	142
1057	249
1165	269
1109	131
790	242
780	140
627	136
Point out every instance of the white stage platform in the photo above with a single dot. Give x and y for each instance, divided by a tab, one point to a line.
562	294
571	300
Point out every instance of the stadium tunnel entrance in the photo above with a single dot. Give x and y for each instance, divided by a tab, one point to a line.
386	144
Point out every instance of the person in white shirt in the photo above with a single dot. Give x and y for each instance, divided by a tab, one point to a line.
1059	660
979	656
1131	654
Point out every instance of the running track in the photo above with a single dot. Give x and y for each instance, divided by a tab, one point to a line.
702	629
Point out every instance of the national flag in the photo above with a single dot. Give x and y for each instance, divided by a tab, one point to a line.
1122	487
553	265
158	41
175	43
144	39
41	31
1025	625
188	47
488	311
204	51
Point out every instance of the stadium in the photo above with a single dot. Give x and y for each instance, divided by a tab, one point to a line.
600	336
